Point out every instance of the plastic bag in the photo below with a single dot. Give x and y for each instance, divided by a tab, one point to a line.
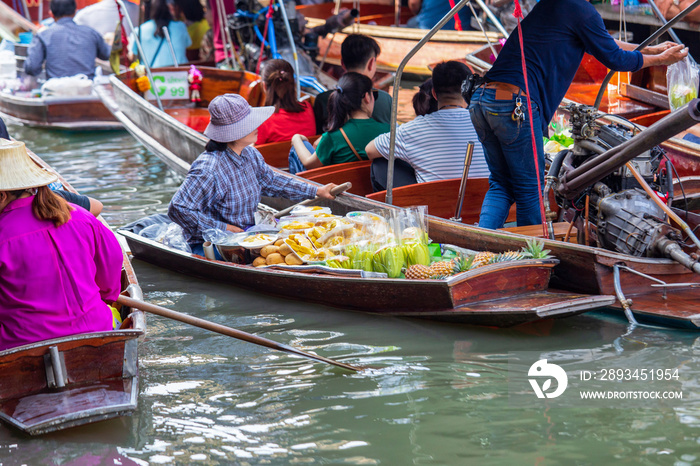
154	232
682	79
173	238
69	86
225	238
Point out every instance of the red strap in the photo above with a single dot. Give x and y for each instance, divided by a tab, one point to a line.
268	15
458	21
518	13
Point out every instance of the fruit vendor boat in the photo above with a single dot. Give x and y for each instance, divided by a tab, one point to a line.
75	380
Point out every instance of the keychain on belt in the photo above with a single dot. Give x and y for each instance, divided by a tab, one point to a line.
518	114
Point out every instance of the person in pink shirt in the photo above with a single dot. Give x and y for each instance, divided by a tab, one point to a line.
291	116
58	263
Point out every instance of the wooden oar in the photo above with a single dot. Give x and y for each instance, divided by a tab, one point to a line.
335	191
228	331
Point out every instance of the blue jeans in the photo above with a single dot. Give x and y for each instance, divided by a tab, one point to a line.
508	151
295	165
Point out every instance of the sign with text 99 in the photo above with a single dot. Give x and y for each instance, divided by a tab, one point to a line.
170	85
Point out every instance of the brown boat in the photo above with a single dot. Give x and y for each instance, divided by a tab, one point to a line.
377	21
75	380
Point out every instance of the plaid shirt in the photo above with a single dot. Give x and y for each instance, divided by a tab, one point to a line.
67	48
225	188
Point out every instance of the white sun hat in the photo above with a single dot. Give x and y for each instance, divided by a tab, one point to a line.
232	118
18	170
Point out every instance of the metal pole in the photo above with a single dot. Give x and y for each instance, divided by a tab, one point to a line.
221	13
290	36
140	49
483	30
395	93
492	17
463	184
649	40
166	33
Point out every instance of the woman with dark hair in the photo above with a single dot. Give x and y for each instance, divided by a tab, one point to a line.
424	102
190	12
349	129
156	52
58	263
291	116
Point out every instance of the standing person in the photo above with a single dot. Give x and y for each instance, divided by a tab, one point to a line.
350	127
358	54
218	15
57	263
430	12
556	33
224	185
434	145
156	52
291	116
67	48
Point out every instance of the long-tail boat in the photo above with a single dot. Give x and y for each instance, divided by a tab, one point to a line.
82	112
377	20
74	380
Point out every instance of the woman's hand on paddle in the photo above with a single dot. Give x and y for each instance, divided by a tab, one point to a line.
233	228
673	54
325	191
657	49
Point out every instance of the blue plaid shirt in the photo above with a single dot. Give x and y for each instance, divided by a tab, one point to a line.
67	48
224	188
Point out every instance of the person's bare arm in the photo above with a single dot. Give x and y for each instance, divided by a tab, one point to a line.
372	152
414	6
649	50
307	159
95	206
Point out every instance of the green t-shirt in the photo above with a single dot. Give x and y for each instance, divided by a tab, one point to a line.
381	113
333	148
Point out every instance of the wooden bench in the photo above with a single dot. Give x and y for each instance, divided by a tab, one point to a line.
355	172
276	154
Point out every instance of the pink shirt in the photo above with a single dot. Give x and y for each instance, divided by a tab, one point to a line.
53	280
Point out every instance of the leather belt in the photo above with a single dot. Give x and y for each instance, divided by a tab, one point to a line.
504	88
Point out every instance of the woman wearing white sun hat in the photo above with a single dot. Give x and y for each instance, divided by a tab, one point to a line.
57	263
225	183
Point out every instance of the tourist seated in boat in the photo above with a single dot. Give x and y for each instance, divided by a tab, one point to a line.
350	127
103	17
433	145
556	33
59	264
156	51
358	54
67	48
191	12
424	102
224	185
291	116
429	12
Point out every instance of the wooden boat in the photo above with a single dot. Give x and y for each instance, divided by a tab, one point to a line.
75	380
377	21
500	295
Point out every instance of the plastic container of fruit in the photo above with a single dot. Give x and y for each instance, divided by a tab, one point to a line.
305	210
291	225
257	240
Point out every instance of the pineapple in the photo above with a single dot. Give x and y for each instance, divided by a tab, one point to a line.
507	257
418	272
462	264
441	268
534	249
482	258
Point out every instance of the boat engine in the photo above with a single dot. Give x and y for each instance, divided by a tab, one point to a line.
593	178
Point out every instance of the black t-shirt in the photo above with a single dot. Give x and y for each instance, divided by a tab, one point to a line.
3	130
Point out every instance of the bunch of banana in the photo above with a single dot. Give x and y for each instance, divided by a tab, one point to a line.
388	259
416	252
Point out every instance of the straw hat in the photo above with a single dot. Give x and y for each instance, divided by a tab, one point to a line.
232	118
18	170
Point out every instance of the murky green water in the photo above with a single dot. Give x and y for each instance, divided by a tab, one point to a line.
437	394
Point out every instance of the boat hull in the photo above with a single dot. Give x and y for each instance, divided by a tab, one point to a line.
482	296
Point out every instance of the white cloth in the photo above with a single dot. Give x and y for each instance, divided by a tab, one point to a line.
103	16
435	145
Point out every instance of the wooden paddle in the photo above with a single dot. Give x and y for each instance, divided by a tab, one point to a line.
335	191
228	331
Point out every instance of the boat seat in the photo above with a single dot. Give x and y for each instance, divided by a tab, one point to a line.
276	154
356	173
441	197
560	229
196	118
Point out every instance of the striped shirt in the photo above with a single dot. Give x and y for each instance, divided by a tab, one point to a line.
224	188
67	48
435	145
